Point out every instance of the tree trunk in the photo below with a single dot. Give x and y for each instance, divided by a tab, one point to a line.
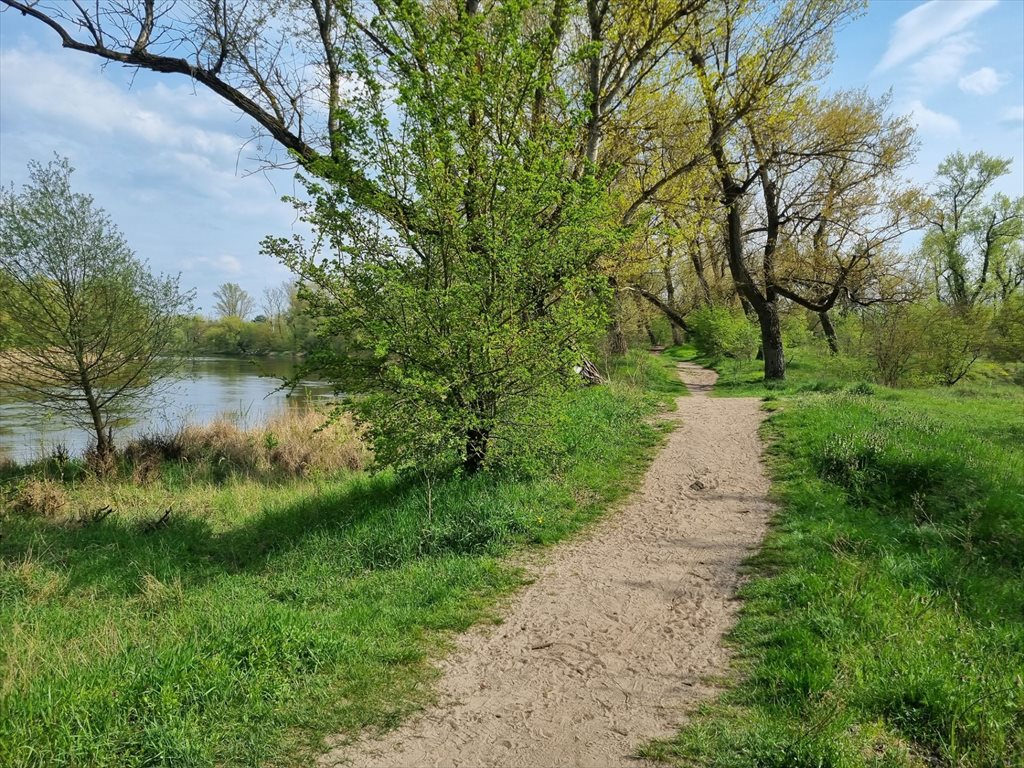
619	345
698	267
830	332
670	290
476	449
650	332
645	322
677	335
104	438
771	343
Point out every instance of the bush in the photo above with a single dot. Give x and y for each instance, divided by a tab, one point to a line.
40	496
720	332
952	341
1006	340
892	336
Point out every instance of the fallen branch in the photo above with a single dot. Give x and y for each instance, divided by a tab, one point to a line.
161	522
95	517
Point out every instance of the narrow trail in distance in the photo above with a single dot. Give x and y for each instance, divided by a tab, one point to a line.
611	644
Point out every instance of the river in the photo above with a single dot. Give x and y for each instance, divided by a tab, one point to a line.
245	390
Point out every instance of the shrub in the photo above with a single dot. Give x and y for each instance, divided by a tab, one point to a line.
892	337
40	496
163	447
720	332
952	341
1006	340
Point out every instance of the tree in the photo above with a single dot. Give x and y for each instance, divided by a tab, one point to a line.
233	301
276	303
974	243
456	170
92	328
831	202
754	66
459	323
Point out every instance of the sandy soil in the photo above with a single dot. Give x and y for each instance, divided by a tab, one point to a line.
615	640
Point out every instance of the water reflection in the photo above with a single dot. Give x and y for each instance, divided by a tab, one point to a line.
246	390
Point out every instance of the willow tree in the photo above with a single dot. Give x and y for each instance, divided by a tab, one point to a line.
974	239
753	63
831	203
89	327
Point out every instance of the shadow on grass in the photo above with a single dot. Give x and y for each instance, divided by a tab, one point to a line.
115	553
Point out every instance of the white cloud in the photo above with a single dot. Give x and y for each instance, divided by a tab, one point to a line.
224	263
1013	115
942	64
932	122
927	24
982	82
38	83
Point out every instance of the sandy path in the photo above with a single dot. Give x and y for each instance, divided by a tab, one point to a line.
609	646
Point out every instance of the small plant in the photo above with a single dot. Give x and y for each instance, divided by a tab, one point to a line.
40	496
862	389
270	441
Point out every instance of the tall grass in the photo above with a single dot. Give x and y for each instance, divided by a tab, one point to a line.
265	613
884	623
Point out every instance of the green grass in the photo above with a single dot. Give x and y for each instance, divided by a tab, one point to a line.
884	622
266	615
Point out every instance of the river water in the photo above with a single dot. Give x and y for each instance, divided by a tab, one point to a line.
245	390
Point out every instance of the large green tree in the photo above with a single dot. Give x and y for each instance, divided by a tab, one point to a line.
458	175
460	320
755	65
90	326
974	240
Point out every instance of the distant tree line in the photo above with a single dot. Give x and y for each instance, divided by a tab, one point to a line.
277	324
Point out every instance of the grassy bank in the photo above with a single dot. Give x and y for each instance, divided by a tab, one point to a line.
884	623
265	613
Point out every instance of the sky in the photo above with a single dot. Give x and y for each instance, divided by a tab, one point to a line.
170	164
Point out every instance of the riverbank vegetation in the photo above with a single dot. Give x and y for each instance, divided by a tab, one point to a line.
488	189
882	621
264	611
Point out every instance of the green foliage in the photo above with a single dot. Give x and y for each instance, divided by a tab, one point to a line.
720	332
883	625
464	315
926	343
974	242
892	335
263	616
1006	339
952	341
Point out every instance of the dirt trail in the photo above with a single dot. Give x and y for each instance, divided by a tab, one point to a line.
609	646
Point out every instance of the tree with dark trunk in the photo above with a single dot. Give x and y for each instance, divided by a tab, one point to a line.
974	242
775	146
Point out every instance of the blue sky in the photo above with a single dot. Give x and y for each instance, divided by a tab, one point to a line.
167	161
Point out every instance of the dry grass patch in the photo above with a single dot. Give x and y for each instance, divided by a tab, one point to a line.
294	443
39	496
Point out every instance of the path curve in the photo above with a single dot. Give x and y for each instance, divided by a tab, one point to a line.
611	644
